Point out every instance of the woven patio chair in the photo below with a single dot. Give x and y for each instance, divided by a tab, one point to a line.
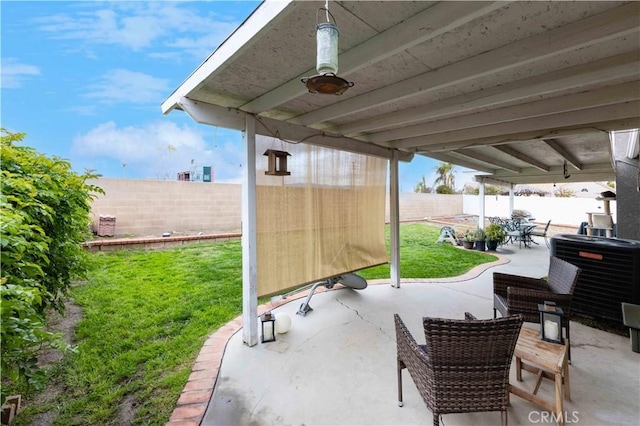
464	365
515	294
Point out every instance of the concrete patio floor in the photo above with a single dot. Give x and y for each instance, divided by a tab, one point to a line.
337	365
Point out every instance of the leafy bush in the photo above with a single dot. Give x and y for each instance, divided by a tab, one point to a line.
495	233
479	234
45	214
444	189
565	193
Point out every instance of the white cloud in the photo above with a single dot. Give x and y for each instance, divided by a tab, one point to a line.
142	26
126	86
14	74
161	149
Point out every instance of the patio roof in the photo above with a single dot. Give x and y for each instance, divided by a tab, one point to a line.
525	92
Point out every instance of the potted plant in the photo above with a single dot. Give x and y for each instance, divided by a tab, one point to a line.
468	240
480	238
495	235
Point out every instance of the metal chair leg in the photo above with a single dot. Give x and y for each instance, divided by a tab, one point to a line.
400	367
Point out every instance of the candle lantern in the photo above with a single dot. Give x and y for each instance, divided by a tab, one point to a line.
268	327
551	322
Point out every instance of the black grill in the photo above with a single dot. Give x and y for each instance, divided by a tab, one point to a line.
610	273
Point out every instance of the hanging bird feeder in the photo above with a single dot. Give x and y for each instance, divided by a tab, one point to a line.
277	165
326	82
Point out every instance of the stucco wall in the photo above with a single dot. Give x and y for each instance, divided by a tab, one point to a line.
151	207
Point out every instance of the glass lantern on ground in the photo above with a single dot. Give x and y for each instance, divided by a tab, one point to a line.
267	321
551	322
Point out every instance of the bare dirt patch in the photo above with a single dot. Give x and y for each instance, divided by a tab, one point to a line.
63	324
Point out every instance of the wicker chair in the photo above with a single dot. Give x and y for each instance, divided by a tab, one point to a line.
515	294
464	366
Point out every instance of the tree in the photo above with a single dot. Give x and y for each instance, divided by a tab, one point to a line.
444	189
45	215
421	187
445	175
564	193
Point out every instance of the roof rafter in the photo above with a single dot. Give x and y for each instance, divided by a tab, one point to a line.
598	97
571	159
458	160
602	27
603	127
594	172
478	156
505	149
428	24
623	113
611	69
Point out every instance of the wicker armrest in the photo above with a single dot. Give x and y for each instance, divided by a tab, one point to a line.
408	348
503	281
526	300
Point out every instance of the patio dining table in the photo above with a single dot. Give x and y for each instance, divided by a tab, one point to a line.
520	231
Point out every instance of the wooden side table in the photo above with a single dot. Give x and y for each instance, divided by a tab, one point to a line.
547	360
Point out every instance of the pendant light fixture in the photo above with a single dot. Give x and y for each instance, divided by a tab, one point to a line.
327	33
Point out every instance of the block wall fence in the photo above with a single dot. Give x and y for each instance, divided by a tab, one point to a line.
152	207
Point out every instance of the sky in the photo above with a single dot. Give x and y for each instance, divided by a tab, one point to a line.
85	80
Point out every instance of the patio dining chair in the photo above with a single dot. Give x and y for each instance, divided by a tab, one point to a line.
542	234
512	228
464	365
515	294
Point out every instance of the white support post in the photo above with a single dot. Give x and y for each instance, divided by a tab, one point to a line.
394	219
511	199
481	196
249	241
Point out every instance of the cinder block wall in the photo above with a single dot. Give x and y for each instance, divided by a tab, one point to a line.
150	207
415	206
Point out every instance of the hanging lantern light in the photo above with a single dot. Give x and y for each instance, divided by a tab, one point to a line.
327	34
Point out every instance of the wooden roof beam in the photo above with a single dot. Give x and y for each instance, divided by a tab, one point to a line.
478	156
592	98
571	159
506	149
612	69
595	29
428	24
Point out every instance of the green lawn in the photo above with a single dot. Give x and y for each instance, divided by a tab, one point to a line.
147	314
